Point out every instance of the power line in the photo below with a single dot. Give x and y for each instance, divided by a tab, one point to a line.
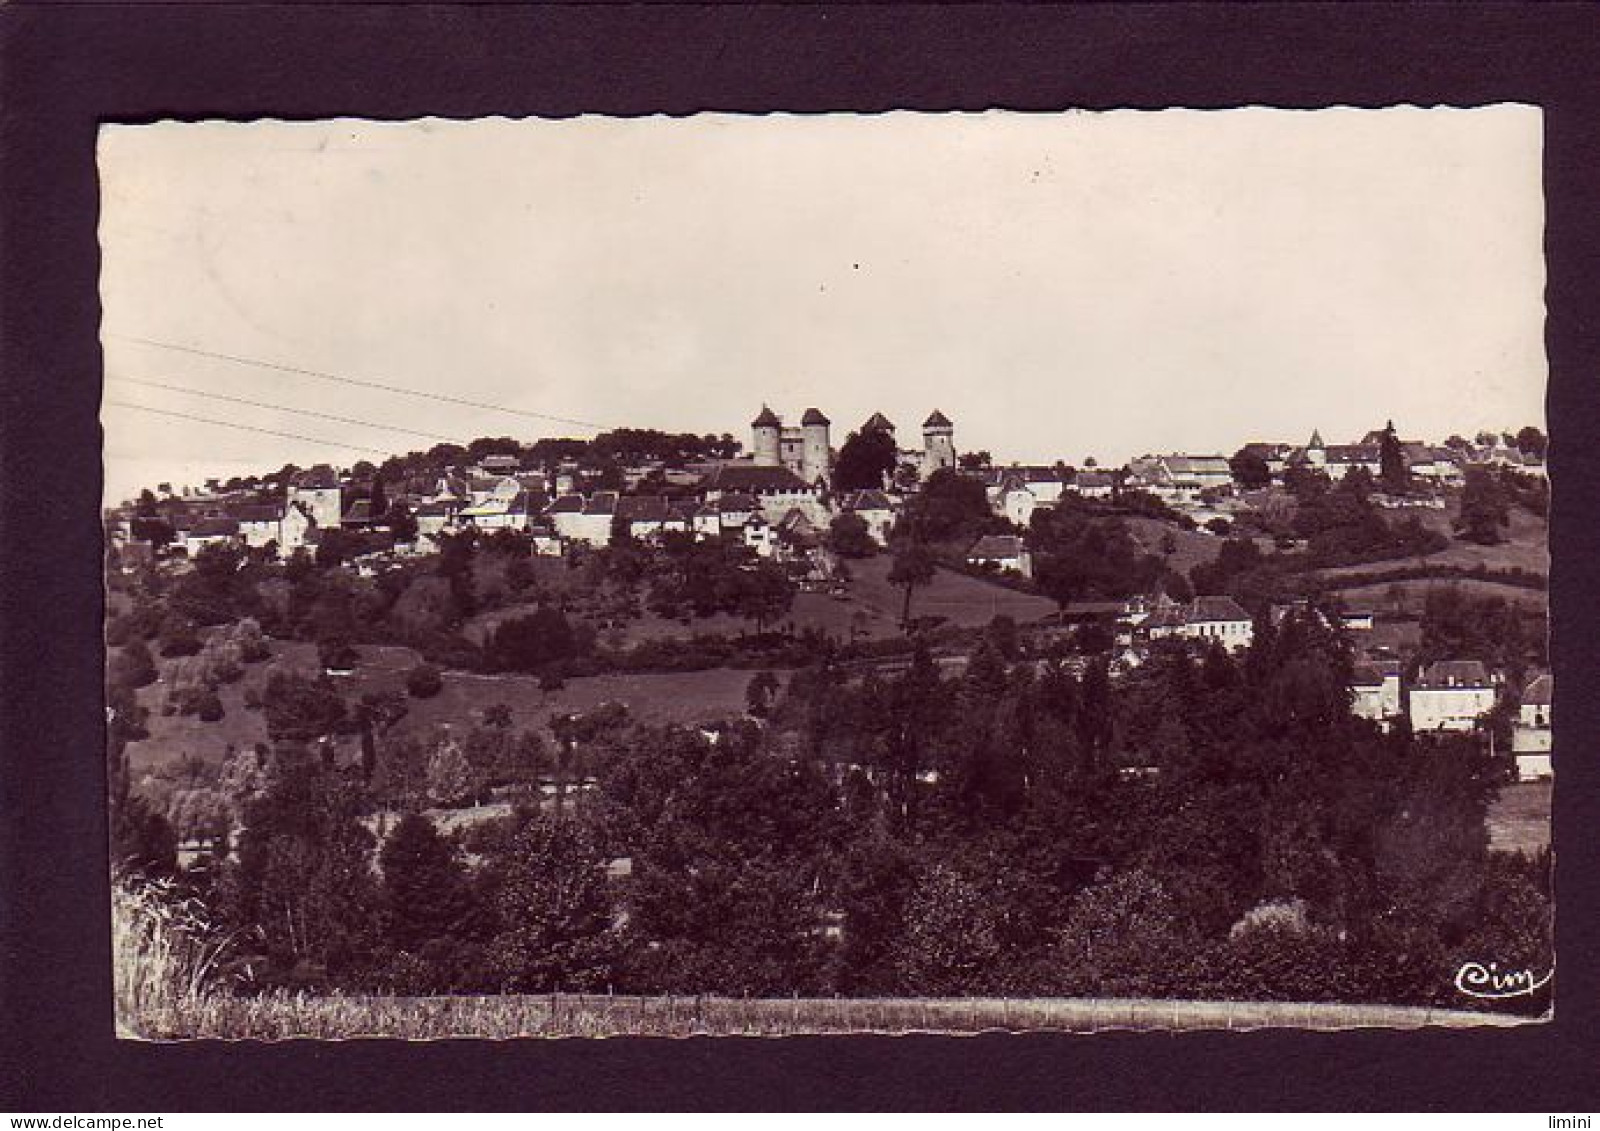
246	427
284	408
357	381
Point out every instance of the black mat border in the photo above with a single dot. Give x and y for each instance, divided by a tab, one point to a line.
65	67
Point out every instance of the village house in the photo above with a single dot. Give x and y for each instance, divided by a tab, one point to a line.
1376	692
646	516
317	490
434	517
1005	552
498	512
1218	618
874	509
496	465
209	532
482	488
590	523
1094	484
776	490
258	523
1179	480
1530	739
1451	695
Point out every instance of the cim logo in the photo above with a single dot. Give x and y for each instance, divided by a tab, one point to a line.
1477	980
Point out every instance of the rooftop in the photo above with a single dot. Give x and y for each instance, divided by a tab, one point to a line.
996	546
1454	673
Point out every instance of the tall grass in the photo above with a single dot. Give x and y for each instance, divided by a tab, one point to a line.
168	957
165	952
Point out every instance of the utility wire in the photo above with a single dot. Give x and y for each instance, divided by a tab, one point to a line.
246	427
356	381
284	408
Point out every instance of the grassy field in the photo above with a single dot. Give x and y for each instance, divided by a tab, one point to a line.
683	697
1526	547
601	1015
1408	598
1519	820
1192	547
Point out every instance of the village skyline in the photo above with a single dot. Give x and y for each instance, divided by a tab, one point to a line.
1067	285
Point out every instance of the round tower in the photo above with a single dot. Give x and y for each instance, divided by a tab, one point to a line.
816	453
764	435
938	442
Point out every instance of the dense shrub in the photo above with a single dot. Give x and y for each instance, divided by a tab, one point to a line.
424	682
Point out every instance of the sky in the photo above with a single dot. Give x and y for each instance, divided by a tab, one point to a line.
1059	285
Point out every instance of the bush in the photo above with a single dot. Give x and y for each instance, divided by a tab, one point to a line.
337	654
179	638
210	707
424	681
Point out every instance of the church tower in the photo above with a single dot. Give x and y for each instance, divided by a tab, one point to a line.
816	453
1316	452
764	434
938	442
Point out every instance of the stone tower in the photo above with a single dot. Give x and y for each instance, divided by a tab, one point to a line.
816	453
938	442
764	431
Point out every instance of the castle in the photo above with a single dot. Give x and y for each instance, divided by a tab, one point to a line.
807	451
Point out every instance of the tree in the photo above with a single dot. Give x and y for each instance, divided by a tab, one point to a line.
402	523
866	461
303	889
531	643
849	537
134	667
764	594
950	506
760	692
426	900
1250	470
178	637
951	937
554	910
1484	507
1394	473
974	461
1531	441
913	568
424	682
299	709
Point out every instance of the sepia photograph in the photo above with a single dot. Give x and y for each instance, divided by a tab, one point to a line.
769	575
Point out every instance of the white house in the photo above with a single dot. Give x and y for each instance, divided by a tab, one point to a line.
501	512
1530	740
210	532
1005	552
577	519
873	508
1451	695
295	528
317	490
1376	692
258	523
1094	484
1218	618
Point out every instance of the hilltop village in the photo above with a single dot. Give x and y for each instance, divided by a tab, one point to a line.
799	501
676	714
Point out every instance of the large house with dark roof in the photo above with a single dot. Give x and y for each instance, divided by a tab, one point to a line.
1218	618
776	490
1452	695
